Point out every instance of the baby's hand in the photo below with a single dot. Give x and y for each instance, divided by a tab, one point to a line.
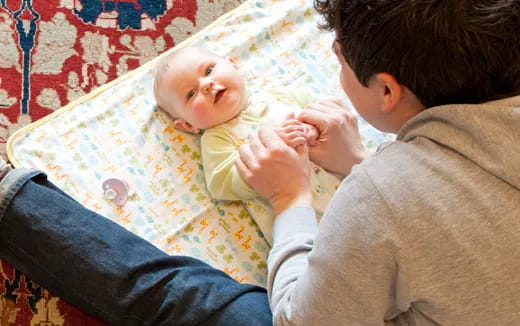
295	132
292	133
311	133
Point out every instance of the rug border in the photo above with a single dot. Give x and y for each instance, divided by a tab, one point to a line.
102	88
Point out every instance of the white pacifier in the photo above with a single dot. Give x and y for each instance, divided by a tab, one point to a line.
118	191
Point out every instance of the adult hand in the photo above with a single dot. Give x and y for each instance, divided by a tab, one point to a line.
275	170
338	147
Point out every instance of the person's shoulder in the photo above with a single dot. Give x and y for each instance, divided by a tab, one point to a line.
394	164
409	174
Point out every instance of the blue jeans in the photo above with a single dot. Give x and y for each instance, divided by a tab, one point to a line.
108	272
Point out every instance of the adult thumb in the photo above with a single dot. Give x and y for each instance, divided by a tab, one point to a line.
303	150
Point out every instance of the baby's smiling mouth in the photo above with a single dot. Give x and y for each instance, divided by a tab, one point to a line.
219	95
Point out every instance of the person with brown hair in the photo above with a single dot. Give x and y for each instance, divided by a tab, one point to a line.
425	231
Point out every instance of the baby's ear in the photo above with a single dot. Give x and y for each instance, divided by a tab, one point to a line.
183	125
233	61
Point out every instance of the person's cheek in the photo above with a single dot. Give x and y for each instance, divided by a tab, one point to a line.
200	110
199	103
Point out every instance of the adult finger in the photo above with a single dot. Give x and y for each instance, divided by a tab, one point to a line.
314	117
256	145
269	138
243	169
326	114
247	156
302	150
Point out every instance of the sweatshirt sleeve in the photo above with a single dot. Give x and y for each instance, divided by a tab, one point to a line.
219	152
351	270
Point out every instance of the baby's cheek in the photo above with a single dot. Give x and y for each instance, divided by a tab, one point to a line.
199	113
199	109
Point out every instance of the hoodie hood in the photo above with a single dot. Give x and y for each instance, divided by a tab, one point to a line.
487	134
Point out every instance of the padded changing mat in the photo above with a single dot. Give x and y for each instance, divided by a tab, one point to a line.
118	131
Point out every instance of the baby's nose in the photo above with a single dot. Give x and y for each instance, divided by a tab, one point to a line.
207	86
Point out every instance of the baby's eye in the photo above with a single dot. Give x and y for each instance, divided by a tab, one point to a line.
209	70
190	94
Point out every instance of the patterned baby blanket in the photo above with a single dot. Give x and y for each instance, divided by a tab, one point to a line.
118	131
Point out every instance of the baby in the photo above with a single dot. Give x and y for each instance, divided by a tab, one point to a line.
206	92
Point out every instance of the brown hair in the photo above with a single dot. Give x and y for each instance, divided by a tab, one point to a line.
444	51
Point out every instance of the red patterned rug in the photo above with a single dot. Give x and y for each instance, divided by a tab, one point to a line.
54	51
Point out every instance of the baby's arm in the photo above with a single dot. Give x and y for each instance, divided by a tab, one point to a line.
219	152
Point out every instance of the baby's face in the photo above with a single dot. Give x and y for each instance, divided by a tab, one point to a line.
202	89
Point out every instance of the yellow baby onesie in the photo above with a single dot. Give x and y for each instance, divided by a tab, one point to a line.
219	148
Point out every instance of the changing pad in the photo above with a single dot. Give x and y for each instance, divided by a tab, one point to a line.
118	131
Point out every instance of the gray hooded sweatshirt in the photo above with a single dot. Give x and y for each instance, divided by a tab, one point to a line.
425	232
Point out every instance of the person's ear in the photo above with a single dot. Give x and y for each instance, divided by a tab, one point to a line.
390	91
183	125
233	62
